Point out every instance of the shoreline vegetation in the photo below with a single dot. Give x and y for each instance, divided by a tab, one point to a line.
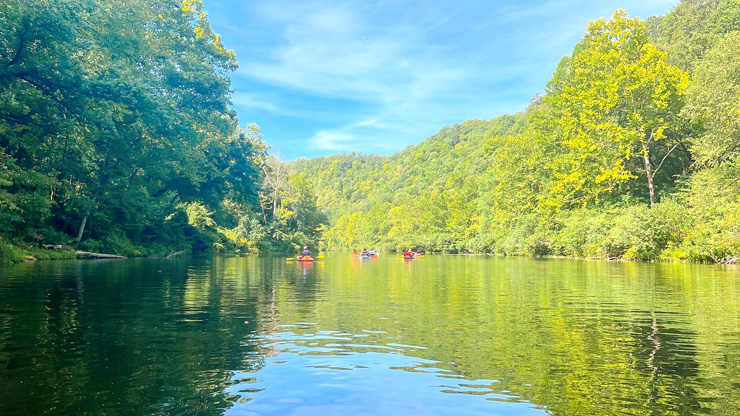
12	255
631	152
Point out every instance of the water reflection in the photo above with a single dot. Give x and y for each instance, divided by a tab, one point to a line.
305	266
312	372
440	335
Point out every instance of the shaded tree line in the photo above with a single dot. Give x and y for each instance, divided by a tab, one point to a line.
118	134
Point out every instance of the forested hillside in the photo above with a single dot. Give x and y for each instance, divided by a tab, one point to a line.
632	152
118	134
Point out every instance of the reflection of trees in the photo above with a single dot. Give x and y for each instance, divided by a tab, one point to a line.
575	337
123	337
281	283
653	337
571	336
668	354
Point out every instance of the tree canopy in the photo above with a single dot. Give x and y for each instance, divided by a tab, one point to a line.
116	121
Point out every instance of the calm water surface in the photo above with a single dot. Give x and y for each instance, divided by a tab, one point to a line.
441	335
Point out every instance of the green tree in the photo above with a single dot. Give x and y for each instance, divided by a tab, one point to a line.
114	114
692	27
714	105
41	99
614	99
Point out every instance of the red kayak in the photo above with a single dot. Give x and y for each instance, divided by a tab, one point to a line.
304	258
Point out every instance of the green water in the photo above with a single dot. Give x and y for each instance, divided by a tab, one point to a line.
440	335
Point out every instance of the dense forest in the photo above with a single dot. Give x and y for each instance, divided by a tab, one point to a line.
632	152
118	135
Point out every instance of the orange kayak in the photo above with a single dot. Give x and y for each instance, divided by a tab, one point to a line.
304	258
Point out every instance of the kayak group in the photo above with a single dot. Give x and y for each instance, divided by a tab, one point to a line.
408	254
366	254
363	254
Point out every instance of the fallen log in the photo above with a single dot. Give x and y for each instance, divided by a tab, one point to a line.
89	255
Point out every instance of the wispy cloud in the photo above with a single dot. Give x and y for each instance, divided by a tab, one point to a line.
337	75
336	141
363	136
337	52
352	53
254	101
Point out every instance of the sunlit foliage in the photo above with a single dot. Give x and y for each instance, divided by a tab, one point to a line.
627	155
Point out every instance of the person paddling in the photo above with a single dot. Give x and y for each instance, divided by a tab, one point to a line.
305	251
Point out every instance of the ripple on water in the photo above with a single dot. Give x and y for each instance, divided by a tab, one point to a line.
338	376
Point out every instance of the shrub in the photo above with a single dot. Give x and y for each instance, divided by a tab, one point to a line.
8	254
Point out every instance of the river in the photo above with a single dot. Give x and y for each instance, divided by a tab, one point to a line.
438	335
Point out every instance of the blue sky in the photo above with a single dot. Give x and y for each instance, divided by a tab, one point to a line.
324	77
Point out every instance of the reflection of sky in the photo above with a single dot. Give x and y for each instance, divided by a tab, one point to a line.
331	373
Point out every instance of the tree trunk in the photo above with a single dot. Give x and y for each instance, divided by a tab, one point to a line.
650	175
278	174
273	181
84	221
649	171
649	167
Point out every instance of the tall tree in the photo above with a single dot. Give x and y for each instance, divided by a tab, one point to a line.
117	108
166	98
42	102
714	193
615	98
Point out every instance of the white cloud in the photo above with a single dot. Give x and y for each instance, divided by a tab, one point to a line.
254	101
338	51
390	73
333	140
348	137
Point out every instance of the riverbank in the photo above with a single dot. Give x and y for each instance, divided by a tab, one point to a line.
10	254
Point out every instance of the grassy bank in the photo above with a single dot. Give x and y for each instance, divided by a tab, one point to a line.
11	254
